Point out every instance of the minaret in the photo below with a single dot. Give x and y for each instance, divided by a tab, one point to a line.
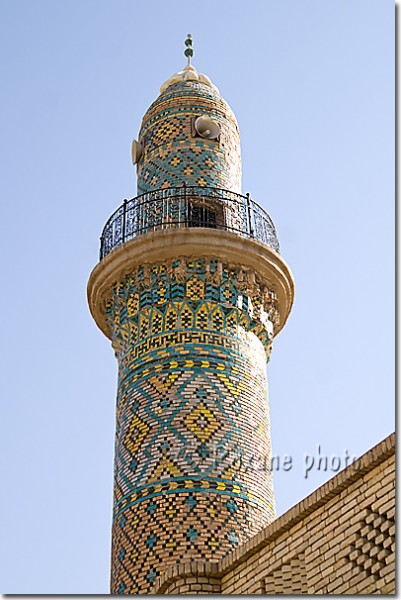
191	289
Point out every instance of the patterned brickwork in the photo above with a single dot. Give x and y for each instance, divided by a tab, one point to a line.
172	151
374	543
289	578
192	462
338	540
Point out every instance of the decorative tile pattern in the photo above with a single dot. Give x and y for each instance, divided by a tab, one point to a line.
192	477
174	154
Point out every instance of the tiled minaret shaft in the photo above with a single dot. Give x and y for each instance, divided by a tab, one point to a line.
191	297
172	152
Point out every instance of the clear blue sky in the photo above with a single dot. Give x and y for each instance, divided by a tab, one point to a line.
312	86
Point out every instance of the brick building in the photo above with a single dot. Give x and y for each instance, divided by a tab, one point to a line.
191	289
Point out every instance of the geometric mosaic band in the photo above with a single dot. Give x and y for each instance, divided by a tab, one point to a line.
177	484
183	295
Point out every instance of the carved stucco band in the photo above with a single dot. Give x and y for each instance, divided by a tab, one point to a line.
190	242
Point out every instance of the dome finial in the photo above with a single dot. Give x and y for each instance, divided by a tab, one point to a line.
189	73
188	50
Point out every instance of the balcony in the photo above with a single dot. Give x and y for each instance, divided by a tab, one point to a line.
188	206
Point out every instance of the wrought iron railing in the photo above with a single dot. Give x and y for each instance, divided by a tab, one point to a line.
188	206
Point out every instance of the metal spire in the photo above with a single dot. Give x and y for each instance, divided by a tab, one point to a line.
188	50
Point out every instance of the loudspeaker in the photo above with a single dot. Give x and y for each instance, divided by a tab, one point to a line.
207	128
136	151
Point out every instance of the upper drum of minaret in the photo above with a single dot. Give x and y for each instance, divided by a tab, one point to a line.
189	135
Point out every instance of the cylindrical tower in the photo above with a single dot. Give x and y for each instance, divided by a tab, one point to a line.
191	290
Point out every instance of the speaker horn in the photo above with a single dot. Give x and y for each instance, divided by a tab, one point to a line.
207	128
136	151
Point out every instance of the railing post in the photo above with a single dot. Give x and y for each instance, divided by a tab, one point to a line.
248	202
124	218
185	206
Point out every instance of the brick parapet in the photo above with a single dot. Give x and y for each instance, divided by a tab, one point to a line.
367	462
